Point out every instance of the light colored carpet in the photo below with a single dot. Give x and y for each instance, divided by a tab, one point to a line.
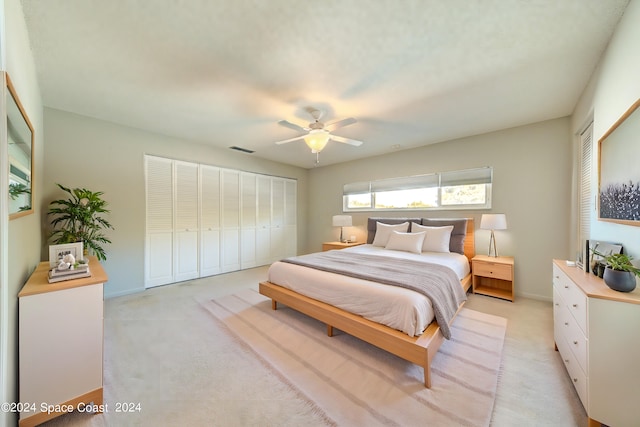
356	384
165	350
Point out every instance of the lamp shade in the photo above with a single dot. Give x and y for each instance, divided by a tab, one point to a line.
342	221
493	222
316	140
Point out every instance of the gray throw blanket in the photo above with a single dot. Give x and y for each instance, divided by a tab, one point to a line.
437	282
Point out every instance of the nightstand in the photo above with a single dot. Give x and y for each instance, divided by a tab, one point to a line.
327	246
492	276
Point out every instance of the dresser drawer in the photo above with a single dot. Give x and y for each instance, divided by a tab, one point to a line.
575	299
560	314
494	270
577	376
576	340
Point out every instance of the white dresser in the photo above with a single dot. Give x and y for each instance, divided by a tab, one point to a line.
60	344
596	333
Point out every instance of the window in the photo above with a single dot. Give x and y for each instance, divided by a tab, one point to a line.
586	202
465	189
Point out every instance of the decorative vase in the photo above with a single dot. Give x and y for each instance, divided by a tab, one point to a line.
622	281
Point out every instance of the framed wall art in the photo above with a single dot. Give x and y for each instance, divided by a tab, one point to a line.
618	171
57	252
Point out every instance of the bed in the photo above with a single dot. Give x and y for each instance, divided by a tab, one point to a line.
293	285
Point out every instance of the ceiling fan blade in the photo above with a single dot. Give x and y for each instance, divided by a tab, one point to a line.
293	126
291	139
340	123
349	141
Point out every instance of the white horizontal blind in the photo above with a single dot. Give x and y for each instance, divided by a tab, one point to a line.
466	177
586	161
356	188
405	183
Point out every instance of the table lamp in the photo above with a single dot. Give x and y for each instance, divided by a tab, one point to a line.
493	222
342	221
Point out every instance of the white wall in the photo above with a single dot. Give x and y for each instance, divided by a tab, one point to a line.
532	186
22	236
103	156
613	88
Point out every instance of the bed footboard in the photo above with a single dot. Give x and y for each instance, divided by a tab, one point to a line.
419	350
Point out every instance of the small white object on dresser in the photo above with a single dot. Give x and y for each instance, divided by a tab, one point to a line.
596	334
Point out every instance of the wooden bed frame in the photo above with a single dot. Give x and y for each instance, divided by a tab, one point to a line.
419	350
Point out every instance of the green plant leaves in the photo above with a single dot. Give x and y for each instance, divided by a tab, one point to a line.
78	218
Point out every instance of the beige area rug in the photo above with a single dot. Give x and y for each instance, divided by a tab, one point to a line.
356	384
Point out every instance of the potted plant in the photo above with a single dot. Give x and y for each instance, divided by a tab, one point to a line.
619	273
78	219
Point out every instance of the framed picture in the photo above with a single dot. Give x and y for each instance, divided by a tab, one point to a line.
619	174
605	248
57	252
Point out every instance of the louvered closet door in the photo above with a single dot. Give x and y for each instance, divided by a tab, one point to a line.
290	217
263	228
230	220
209	221
186	224
248	220
278	235
159	233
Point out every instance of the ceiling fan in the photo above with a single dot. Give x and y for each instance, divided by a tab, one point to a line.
318	133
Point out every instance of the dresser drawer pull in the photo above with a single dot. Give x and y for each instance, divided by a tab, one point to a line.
575	380
566	286
575	342
575	305
566	323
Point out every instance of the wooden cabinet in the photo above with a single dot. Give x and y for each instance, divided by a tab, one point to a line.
493	276
596	337
327	246
60	343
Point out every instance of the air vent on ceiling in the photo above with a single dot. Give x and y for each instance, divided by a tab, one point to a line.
244	150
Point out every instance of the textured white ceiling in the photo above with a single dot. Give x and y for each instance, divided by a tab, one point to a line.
224	72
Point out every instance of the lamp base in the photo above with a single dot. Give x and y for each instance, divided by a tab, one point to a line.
492	243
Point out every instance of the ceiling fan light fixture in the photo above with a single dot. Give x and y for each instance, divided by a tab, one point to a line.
316	140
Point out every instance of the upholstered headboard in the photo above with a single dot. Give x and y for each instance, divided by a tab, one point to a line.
373	222
462	236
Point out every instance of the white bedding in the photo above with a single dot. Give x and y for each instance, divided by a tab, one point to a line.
398	308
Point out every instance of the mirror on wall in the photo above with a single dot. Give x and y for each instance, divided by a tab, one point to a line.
20	151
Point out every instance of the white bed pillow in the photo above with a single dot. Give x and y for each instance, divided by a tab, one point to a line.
437	238
408	242
383	231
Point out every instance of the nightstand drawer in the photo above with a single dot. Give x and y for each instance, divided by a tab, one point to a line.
494	270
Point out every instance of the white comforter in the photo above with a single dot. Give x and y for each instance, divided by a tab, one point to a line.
398	308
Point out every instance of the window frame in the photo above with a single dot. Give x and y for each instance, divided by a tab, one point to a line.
479	176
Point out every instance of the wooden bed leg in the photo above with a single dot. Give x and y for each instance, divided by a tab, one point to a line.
274	304
330	330
427	376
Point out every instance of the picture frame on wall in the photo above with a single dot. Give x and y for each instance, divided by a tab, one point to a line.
618	172
57	252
